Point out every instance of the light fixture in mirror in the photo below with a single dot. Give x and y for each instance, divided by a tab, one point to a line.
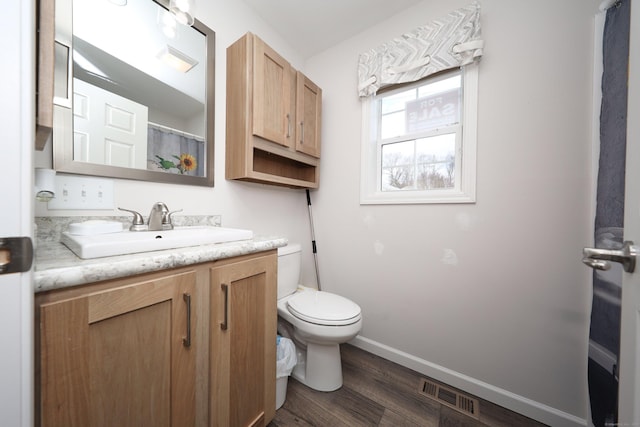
154	118
176	59
183	10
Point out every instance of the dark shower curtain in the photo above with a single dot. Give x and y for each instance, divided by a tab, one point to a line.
605	315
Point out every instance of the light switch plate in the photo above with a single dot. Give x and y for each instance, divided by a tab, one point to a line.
80	192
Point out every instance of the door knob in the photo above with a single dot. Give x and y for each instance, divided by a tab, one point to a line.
16	254
600	259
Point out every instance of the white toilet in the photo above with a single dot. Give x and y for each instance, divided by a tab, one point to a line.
317	322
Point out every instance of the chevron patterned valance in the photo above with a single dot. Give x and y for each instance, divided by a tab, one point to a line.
451	41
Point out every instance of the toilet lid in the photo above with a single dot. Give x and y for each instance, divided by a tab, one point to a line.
324	308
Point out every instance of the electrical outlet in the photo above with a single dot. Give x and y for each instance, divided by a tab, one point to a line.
79	192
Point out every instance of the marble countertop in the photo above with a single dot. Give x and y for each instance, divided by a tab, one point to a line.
57	267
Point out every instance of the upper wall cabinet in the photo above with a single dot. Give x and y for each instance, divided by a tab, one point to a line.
273	118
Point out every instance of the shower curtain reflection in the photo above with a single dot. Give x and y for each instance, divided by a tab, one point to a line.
173	151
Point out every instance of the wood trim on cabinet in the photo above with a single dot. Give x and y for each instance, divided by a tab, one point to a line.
44	72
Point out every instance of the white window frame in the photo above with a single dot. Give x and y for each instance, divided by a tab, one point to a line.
464	190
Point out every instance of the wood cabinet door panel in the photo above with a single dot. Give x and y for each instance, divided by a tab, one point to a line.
243	354
308	116
116	357
271	95
130	356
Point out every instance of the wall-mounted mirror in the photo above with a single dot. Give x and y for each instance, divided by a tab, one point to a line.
139	102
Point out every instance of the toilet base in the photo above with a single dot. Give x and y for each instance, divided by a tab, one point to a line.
319	367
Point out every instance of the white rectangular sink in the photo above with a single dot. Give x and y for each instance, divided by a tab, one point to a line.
129	242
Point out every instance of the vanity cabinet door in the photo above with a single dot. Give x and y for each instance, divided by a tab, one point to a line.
243	321
120	356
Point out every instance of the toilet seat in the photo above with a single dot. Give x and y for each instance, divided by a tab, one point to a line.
323	308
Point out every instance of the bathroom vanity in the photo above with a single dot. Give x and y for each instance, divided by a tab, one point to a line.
182	337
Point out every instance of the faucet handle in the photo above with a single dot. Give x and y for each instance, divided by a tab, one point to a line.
167	218
167	224
138	222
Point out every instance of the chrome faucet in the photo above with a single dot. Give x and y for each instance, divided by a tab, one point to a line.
159	218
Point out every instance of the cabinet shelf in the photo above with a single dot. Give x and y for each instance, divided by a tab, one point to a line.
283	167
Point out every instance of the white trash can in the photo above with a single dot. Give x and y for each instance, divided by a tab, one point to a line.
285	362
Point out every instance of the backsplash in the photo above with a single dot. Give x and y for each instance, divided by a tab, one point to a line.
49	229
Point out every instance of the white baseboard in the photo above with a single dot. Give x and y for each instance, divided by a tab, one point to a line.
520	404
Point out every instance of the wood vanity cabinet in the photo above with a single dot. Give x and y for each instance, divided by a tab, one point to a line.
149	350
274	118
118	355
243	347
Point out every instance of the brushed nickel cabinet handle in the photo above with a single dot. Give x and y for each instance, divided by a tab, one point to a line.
288	125
187	341
224	325
301	132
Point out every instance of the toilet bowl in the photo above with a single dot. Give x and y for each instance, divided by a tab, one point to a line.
317	322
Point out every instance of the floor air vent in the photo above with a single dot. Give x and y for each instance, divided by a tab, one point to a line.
450	398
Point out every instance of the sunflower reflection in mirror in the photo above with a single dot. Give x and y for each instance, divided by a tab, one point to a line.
185	163
176	152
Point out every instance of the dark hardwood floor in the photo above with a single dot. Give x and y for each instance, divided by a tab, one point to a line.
377	392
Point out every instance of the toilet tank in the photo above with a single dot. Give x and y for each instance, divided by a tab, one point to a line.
289	258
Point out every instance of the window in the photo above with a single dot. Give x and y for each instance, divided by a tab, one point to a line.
418	141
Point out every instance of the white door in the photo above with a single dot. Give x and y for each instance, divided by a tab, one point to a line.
107	128
629	388
16	214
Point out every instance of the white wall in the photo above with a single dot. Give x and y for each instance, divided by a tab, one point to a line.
508	318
